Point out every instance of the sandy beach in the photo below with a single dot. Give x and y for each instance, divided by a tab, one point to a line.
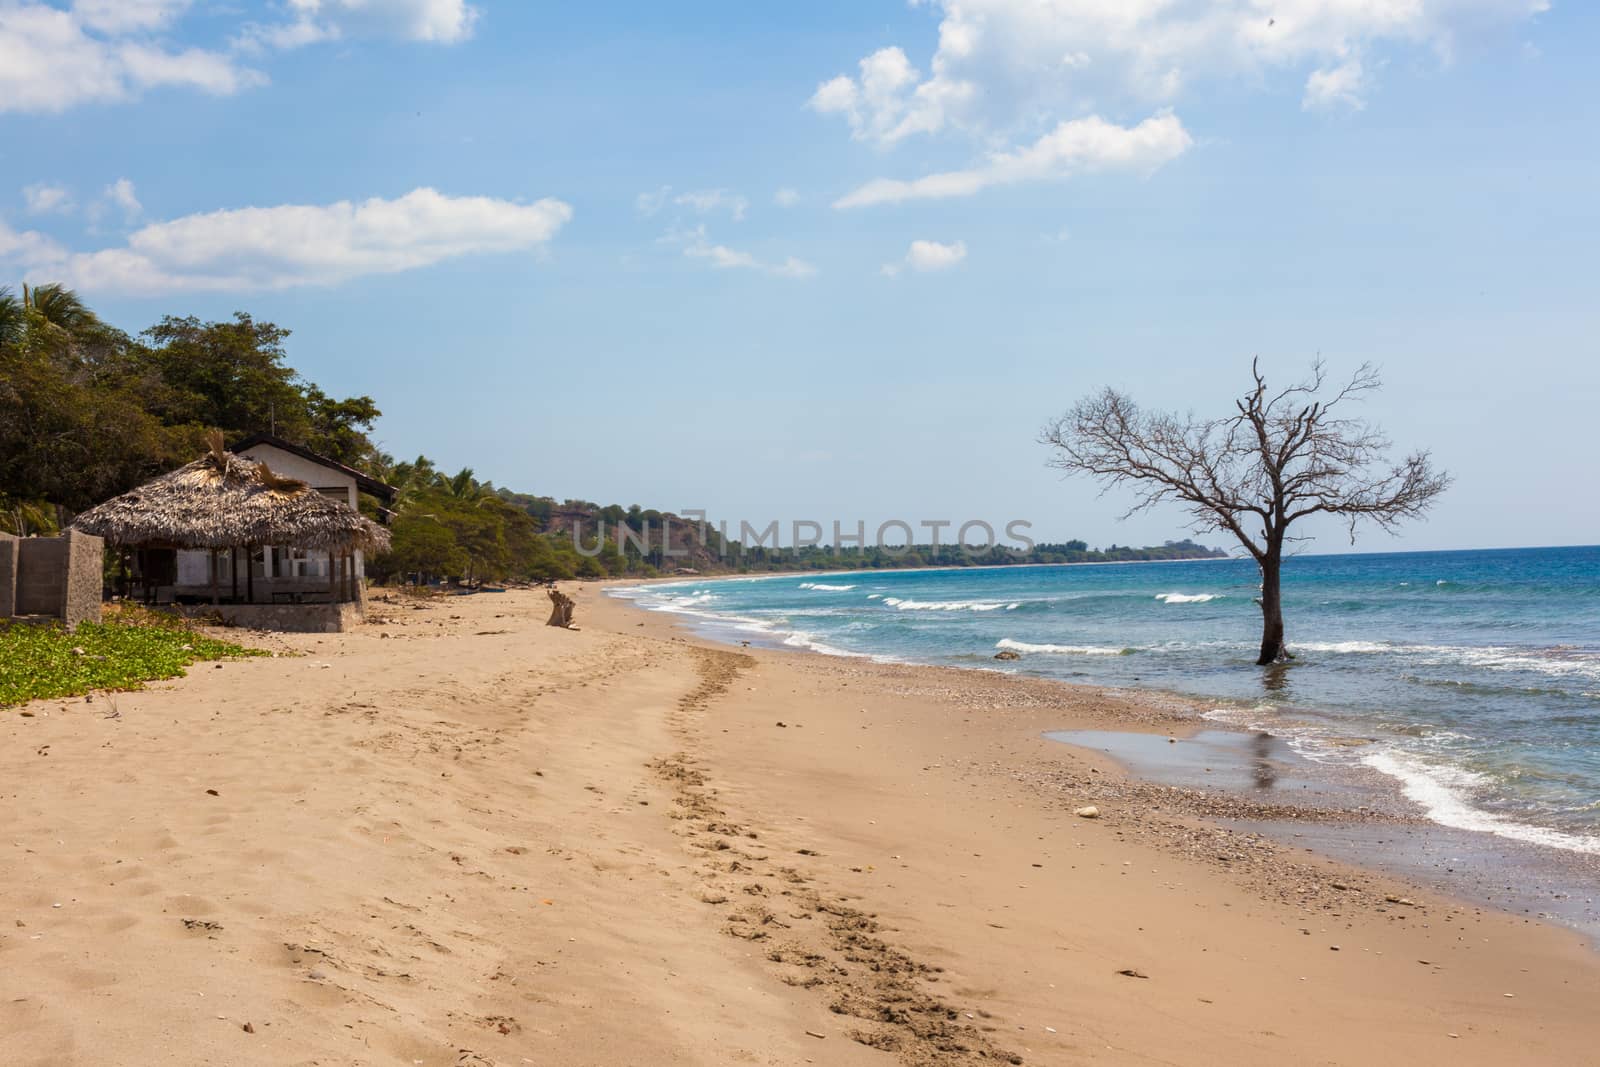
456	836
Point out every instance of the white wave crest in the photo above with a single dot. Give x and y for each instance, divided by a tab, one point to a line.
823	587
1347	647
802	639
1061	650
1188	598
1444	794
1559	662
943	605
679	603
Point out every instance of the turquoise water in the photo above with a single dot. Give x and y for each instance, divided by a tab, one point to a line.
1473	677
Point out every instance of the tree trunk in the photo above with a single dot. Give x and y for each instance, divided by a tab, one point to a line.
1272	648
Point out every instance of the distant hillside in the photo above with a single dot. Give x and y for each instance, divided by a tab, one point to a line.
646	547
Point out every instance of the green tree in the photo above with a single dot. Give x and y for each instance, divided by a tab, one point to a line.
338	428
422	547
229	375
73	429
11	316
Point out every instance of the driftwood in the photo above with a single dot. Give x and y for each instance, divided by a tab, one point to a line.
561	608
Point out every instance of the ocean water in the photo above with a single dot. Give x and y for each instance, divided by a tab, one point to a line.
1472	679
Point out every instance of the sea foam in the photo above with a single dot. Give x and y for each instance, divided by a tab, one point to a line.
1444	794
1061	650
948	605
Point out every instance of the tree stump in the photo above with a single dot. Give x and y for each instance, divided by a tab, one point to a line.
561	608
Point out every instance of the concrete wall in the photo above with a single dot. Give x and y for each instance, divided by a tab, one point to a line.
8	575
84	579
41	575
51	577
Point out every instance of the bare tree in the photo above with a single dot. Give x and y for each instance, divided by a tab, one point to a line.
1282	457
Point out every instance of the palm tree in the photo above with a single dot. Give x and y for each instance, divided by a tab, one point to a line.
24	517
13	316
60	307
464	487
412	479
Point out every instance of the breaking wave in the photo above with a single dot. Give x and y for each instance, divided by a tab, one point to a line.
1445	794
1063	650
949	605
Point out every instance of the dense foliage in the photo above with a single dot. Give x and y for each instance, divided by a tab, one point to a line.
88	411
130	648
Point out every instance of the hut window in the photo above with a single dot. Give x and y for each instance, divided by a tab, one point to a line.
298	563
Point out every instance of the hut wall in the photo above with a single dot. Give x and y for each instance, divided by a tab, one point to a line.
194	568
323	479
8	575
194	577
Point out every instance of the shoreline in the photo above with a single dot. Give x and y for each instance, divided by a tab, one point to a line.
1257	856
1546	881
456	837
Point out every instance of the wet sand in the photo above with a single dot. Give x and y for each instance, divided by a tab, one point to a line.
459	837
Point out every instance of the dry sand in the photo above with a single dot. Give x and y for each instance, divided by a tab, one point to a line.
459	837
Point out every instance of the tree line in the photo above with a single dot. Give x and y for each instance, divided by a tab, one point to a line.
88	411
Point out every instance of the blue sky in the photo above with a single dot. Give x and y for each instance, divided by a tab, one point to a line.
682	255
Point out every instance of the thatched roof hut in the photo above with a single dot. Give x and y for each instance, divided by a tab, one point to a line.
222	501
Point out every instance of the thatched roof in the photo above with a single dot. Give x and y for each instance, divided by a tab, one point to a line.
223	501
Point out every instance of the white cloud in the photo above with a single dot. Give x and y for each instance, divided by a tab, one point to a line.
925	256
705	201
1079	145
313	21
27	247
122	16
120	193
885	102
43	199
786	197
256	38
211	72
648	204
290	245
999	64
699	201
697	245
53	59
1331	88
